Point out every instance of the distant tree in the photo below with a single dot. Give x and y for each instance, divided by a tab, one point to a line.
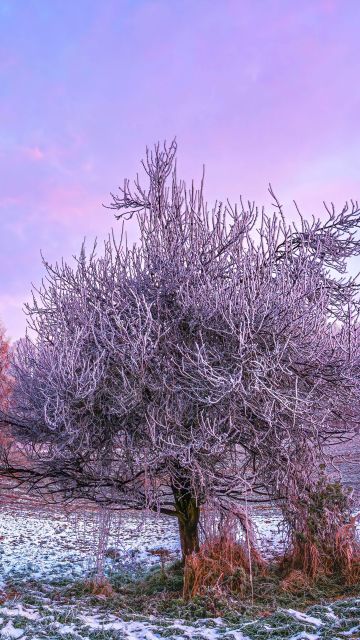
4	368
217	358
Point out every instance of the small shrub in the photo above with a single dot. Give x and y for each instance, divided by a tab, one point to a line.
323	534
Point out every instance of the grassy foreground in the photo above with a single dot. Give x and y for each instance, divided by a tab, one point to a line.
151	606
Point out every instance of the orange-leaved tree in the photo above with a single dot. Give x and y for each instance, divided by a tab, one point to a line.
4	374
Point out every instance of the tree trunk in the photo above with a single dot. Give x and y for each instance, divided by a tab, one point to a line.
188	513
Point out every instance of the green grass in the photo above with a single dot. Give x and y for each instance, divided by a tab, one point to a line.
345	616
158	593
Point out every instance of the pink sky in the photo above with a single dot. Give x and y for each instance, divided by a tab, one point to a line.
259	90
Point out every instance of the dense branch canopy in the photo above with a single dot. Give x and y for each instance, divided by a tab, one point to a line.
220	353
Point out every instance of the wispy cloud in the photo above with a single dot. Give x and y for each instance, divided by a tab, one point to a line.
258	91
33	153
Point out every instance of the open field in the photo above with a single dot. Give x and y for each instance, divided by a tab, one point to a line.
347	461
46	554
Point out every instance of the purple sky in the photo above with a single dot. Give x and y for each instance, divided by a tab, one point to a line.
258	90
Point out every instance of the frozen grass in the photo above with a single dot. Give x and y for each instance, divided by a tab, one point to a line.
82	621
46	559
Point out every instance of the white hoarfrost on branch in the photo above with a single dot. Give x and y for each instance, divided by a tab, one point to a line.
214	360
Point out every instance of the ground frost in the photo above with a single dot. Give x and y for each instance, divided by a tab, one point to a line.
340	620
43	551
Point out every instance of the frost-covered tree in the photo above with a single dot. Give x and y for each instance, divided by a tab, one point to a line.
4	369
217	358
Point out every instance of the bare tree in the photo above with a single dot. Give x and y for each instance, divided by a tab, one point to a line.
218	357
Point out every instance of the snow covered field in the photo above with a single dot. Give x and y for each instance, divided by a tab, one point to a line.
54	546
58	544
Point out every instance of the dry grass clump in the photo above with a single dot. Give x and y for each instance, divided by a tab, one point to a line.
223	565
295	582
8	594
316	557
323	536
347	550
305	557
100	587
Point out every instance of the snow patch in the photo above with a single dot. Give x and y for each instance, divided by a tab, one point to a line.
9	631
303	617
